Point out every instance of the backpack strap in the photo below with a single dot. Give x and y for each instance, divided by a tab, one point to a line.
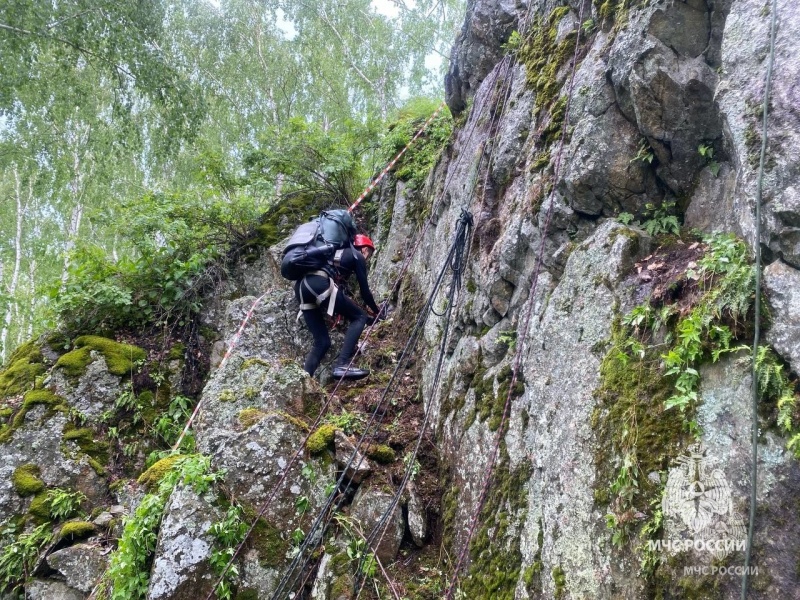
337	257
329	294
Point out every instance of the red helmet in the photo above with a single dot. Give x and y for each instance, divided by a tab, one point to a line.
361	240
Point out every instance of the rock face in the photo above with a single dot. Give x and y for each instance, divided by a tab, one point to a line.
660	120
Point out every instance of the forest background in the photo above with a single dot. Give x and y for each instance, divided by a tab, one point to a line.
141	141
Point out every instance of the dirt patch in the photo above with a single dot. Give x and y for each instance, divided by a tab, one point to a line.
665	275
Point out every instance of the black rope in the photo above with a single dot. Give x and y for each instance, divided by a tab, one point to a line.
456	265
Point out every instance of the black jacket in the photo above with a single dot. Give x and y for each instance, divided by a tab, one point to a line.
353	261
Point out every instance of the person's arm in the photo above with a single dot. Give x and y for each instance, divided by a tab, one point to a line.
363	284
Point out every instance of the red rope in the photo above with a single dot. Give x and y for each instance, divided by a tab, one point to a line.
393	162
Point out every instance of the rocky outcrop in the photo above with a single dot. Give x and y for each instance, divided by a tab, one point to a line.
663	130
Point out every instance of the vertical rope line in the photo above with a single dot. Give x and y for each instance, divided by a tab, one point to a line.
757	316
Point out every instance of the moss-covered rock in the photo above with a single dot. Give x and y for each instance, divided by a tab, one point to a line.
26	480
119	357
75	530
322	438
86	439
152	476
266	539
381	454
21	370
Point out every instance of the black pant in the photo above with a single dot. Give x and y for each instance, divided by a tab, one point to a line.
315	320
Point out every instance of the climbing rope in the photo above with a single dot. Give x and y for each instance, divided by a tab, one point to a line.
292	573
456	265
393	162
526	325
757	316
222	363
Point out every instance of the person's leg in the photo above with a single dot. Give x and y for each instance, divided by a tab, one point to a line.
358	320
315	321
322	341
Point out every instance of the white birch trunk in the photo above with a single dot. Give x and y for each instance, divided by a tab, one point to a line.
12	285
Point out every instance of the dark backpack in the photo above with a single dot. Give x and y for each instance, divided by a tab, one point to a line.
313	245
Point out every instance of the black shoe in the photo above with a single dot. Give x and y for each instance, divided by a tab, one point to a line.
351	373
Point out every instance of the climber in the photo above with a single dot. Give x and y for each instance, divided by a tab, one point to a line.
352	260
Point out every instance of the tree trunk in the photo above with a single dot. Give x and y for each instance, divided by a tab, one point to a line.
12	286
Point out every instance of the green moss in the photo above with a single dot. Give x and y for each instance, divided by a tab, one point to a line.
255	361
471	286
267	541
177	352
26	481
250	416
76	530
633	390
21	370
248	594
120	358
301	425
6	412
381	454
559	580
39	509
152	476
496	557
85	438
319	440
45	397
226	395
543	56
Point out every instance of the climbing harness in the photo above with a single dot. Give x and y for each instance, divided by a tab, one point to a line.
331	292
757	316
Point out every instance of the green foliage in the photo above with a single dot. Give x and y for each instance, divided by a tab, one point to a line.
120	358
26	481
415	165
776	389
171	420
415	468
18	557
514	43
642	383
644	153
177	240
658	220
312	163
707	152
128	575
153	476
64	504
228	533
729	282
347	421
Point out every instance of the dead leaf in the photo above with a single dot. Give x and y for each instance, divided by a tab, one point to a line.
693	246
